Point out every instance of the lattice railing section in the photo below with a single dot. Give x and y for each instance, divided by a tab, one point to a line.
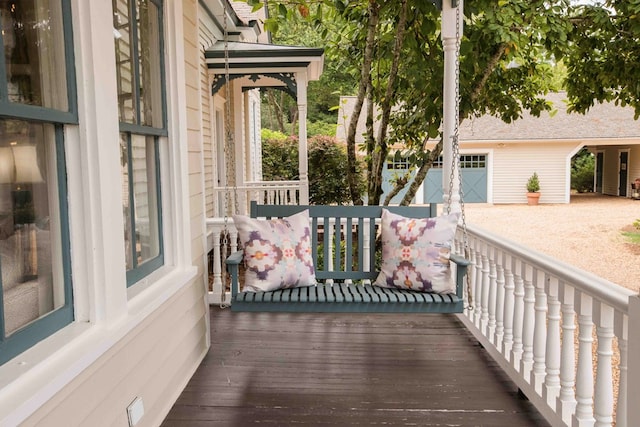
560	333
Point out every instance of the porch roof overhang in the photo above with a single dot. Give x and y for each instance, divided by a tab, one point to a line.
264	64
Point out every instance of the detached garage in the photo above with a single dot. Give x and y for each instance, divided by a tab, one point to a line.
498	158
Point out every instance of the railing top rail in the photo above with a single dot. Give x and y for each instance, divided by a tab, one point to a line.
286	182
608	292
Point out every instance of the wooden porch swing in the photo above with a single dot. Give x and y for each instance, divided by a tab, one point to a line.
342	247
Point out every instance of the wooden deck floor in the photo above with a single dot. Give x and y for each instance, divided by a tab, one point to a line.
285	369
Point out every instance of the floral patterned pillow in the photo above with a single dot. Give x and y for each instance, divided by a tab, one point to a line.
277	252
415	253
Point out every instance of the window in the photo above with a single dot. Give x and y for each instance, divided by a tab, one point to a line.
37	99
137	28
467	161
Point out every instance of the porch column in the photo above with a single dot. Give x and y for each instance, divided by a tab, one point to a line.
450	30
303	168
633	358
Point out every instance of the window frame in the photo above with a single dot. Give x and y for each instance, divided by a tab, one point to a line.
51	322
160	135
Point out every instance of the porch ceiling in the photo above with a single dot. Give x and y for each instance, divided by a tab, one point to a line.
257	58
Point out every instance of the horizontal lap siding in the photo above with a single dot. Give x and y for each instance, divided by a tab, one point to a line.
516	162
145	363
205	40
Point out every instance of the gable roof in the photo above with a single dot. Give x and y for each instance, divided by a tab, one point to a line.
605	120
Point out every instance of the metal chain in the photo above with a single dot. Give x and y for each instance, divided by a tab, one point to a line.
228	146
455	161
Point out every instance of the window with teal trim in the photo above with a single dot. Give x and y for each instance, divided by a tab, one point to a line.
137	29
37	99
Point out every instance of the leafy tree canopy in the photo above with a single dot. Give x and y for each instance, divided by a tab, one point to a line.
509	58
603	61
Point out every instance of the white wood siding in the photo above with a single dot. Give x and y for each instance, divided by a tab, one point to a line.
514	163
205	40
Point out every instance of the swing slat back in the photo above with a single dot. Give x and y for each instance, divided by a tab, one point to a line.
343	243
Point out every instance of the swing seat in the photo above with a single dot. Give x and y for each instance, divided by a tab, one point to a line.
344	275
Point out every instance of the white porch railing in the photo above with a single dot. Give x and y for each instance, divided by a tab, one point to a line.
265	192
560	333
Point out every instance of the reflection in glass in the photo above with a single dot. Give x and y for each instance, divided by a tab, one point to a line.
33	41
30	244
124	62
149	58
139	162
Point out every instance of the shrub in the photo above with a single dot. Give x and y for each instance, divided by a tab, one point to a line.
327	166
321	128
582	169
533	184
328	172
279	156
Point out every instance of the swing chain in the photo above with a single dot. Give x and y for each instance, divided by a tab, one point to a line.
229	161
455	161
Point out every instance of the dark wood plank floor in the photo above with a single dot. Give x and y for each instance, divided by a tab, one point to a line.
285	369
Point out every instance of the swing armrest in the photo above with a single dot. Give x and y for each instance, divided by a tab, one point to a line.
233	262
461	269
459	260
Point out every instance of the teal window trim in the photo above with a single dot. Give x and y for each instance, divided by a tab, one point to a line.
163	76
138	272
48	324
135	57
72	89
52	322
142	130
38	113
135	54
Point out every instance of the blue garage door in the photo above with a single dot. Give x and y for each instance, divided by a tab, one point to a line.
474	180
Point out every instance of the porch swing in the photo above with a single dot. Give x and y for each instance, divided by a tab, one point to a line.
317	258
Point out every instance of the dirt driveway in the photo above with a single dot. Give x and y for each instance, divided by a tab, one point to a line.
586	233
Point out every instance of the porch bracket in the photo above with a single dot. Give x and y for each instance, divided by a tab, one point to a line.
289	79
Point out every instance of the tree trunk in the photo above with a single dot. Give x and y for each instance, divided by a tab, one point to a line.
277	109
352	177
421	174
475	94
379	155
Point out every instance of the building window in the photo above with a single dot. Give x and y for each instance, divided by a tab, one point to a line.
37	99
467	161
137	28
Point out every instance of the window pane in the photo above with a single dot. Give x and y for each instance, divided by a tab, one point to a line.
30	243
141	244
124	61
126	204
34	52
149	52
145	196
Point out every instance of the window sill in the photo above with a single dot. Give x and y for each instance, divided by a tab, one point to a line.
29	380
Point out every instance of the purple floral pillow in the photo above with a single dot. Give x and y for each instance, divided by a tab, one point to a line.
277	252
415	253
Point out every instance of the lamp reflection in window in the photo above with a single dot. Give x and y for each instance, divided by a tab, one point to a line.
19	167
